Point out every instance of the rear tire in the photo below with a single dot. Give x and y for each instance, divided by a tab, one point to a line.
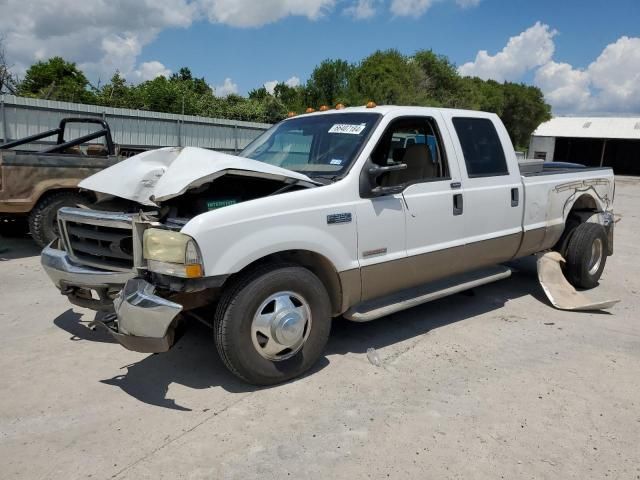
586	255
43	219
263	294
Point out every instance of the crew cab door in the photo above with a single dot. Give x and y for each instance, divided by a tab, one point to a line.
432	231
493	191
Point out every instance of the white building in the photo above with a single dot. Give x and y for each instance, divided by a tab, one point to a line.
593	141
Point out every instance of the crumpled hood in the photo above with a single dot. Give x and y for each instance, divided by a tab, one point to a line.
159	175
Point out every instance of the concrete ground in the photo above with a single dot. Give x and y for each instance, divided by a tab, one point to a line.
494	384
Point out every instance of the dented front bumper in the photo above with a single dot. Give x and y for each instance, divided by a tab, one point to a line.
146	322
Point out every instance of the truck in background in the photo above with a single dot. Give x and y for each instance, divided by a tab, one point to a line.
35	184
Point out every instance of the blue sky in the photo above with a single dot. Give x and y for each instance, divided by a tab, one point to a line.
293	46
584	55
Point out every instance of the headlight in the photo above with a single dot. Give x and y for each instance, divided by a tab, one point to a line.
172	253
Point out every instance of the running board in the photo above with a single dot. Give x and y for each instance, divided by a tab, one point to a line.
413	297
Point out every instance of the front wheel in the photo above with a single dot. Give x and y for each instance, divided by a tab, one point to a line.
272	324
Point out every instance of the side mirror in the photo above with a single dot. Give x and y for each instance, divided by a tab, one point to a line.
369	187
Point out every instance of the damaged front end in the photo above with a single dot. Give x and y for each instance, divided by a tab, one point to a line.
125	255
146	322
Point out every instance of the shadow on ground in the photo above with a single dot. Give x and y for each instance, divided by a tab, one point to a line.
194	362
12	248
350	337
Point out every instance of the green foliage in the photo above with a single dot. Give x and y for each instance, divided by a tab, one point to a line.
386	77
329	82
56	79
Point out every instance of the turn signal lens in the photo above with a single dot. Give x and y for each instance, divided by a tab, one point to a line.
193	271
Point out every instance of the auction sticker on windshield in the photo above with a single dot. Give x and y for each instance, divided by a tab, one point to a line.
347	128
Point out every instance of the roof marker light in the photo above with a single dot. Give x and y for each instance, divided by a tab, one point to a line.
371	105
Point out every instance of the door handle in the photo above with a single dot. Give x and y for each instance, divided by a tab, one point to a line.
457	204
515	197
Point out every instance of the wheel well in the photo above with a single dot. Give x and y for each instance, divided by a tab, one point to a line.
54	191
584	202
583	208
316	263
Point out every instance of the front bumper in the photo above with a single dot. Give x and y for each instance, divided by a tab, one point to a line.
146	322
78	281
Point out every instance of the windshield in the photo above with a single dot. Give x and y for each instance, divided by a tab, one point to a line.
316	145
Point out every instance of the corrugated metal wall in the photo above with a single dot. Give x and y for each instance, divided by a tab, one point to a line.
21	116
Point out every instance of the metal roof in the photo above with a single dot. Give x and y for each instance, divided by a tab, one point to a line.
591	127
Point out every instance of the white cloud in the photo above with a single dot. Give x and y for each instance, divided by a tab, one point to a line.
564	87
615	76
251	13
610	84
414	8
362	9
100	35
532	48
270	86
227	88
417	8
293	82
150	70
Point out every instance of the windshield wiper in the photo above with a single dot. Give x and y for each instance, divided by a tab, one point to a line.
330	178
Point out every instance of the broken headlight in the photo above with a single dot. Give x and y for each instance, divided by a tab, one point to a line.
172	253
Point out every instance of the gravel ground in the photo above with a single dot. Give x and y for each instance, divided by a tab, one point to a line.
493	384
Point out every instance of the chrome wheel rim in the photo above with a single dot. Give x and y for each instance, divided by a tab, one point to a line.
596	256
281	326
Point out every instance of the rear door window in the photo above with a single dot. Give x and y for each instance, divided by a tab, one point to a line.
481	147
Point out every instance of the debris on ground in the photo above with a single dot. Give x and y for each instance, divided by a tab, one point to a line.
374	358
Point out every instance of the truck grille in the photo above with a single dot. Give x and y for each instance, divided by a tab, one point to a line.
98	239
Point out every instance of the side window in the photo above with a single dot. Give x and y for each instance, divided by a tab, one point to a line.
481	147
416	142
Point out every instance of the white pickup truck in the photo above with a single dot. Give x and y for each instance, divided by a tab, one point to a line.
357	212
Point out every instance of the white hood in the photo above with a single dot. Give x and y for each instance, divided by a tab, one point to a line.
165	173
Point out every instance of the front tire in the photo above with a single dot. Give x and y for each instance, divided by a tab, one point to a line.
586	255
272	324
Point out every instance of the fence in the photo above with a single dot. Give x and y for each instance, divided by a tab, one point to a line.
133	129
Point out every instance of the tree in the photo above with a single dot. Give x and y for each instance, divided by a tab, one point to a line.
329	82
441	82
56	79
258	93
116	93
8	81
388	77
524	109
